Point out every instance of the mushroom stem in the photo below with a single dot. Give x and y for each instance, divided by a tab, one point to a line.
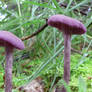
67	53
8	69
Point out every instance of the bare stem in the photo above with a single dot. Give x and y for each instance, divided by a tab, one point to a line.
8	69
67	53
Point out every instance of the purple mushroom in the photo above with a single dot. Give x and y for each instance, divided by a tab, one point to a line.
9	41
68	26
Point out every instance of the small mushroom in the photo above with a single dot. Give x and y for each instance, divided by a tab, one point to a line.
68	26
9	41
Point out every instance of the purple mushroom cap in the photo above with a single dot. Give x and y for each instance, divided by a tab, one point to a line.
67	24
8	39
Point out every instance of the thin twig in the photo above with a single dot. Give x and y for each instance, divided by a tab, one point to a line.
76	51
35	33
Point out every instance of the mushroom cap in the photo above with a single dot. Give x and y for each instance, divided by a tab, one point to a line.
66	24
7	39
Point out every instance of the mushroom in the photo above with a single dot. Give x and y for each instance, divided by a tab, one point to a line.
68	26
9	41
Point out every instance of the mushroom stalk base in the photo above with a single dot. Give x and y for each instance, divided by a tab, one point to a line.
67	53
8	69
